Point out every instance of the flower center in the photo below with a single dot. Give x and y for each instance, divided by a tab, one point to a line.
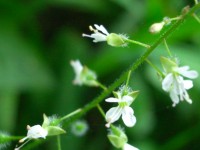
122	104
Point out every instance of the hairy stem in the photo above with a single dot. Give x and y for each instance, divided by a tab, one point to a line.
135	65
81	111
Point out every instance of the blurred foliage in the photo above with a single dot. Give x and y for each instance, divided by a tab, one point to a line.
38	39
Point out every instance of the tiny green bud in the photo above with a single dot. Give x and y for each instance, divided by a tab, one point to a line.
185	10
115	40
79	128
117	137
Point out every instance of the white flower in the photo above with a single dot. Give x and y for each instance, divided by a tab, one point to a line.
100	33
34	132
83	75
123	109
78	68
129	147
174	82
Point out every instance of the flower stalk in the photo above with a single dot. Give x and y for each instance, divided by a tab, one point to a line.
137	42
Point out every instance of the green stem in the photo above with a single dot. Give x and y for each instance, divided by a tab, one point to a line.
59	142
196	17
136	64
101	110
156	68
137	42
128	78
71	114
101	86
167	48
175	18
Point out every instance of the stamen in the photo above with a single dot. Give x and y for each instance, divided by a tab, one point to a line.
22	145
92	29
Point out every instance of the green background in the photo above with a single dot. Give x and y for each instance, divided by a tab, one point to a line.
38	38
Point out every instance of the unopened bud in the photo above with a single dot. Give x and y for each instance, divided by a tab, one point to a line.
156	27
79	128
117	137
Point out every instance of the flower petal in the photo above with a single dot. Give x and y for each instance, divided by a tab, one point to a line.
76	66
101	28
129	147
112	100
128	117
127	99
190	74
113	114
188	84
174	97
37	131
98	37
167	82
182	69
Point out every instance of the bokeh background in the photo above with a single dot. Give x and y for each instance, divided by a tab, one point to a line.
38	38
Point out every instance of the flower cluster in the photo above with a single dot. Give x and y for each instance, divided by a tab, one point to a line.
174	82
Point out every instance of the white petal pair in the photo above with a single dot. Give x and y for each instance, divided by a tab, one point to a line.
127	114
123	109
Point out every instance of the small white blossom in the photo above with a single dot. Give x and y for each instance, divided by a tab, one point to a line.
34	132
78	68
129	147
100	33
174	82
123	109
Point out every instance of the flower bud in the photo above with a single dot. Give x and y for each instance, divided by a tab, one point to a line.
117	137
79	128
156	27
